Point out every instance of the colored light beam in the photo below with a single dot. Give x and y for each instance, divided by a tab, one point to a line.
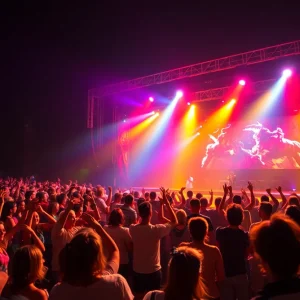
188	123
221	116
264	104
139	128
132	121
151	138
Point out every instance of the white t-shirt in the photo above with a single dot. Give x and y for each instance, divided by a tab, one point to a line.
108	287
60	237
122	238
146	246
102	208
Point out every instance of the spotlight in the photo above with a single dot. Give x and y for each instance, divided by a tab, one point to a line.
153	113
157	114
198	133
189	103
200	126
222	101
242	82
193	106
124	121
151	99
179	94
233	101
287	73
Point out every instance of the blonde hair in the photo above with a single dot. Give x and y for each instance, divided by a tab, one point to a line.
27	267
83	258
181	217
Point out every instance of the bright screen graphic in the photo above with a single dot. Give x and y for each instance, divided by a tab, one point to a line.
254	146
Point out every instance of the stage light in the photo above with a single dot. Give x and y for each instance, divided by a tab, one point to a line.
124	121
222	101
198	133
200	126
287	73
189	103
153	113
151	99
193	106
242	82
157	114
233	101
179	94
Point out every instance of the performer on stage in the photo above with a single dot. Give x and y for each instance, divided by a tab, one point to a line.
231	179
189	182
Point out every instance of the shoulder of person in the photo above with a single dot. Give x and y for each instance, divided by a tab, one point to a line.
39	295
220	229
150	294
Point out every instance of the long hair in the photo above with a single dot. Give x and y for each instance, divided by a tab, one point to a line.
184	282
83	258
27	267
6	210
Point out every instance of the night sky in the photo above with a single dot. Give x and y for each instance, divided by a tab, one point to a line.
51	54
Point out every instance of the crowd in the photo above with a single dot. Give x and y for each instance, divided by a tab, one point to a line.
78	241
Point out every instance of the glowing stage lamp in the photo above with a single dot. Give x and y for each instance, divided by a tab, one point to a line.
179	94
124	121
233	100
189	103
287	73
242	82
198	133
157	114
153	113
151	99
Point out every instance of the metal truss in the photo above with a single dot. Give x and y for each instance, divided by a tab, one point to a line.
216	65
220	64
220	93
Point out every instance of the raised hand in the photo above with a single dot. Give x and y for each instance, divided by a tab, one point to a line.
2	197
268	191
230	189
90	220
225	189
243	191
39	209
279	189
181	190
25	227
109	189
250	186
211	193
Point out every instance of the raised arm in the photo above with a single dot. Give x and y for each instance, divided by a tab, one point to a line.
252	202
108	201
222	203
211	199
183	201
95	209
161	216
172	214
275	201
37	242
283	198
108	242
60	224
